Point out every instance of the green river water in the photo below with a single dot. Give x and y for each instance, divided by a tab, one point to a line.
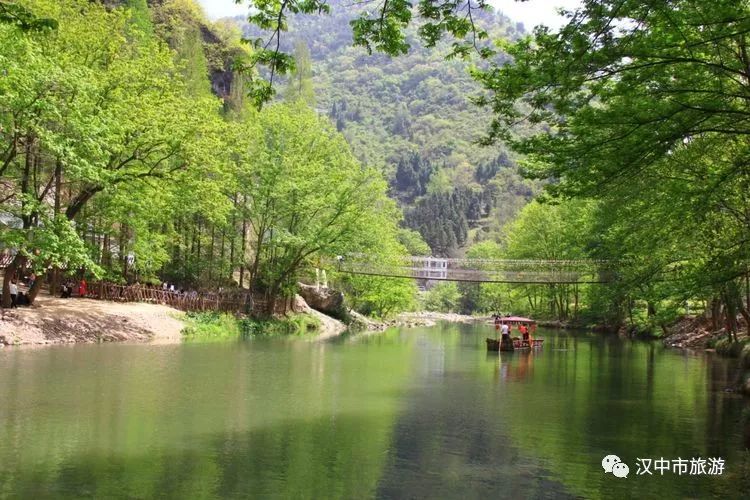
417	413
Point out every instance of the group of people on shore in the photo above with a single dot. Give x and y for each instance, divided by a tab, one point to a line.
167	287
19	290
170	287
17	295
189	293
69	287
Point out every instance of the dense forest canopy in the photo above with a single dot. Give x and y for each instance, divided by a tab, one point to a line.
131	147
637	107
643	108
120	162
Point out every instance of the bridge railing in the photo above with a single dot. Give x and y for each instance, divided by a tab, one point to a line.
481	270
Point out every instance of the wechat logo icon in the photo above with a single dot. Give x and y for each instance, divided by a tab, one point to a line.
613	464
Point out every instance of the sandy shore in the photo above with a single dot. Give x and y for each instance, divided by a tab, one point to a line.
64	321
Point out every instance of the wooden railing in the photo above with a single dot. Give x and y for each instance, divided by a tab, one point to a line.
5	259
231	301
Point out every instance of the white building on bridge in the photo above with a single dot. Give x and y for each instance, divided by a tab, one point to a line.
430	268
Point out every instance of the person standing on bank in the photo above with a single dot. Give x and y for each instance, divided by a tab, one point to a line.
13	294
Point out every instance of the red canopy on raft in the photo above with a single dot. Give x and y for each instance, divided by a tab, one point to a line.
516	319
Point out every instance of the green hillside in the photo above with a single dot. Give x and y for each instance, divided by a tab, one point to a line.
411	116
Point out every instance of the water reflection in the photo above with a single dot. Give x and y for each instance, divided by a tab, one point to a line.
414	413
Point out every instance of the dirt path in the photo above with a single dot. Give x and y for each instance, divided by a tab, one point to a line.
62	321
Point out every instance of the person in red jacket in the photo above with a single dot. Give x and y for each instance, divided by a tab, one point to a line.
524	332
82	288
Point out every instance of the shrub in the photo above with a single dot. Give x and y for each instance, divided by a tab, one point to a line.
443	297
294	324
213	325
726	347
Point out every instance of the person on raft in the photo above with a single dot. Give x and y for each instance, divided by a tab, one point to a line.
505	330
524	332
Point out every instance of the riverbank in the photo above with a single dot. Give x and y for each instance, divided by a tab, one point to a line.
690	333
695	333
67	321
53	321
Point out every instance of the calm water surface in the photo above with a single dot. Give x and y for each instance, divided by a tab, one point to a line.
420	413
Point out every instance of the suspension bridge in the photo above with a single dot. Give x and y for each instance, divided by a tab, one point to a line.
517	271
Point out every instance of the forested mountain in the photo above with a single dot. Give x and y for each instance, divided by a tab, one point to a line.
411	117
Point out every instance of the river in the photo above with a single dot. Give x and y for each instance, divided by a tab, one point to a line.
413	413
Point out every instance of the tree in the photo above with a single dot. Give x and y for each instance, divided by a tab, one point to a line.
486	297
443	297
377	295
300	85
23	18
643	105
307	197
94	108
413	242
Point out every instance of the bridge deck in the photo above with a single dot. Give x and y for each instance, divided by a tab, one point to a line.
480	270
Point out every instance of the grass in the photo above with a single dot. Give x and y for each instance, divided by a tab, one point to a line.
293	324
219	326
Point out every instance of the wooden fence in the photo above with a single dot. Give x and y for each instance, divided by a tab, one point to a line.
233	301
5	259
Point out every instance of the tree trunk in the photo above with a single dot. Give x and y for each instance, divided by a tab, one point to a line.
198	233
715	313
176	245
123	247
232	238
34	291
272	295
54	282
630	309
187	255
243	250
211	254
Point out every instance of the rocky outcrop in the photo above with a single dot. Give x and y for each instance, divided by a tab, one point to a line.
361	323
220	56
326	300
